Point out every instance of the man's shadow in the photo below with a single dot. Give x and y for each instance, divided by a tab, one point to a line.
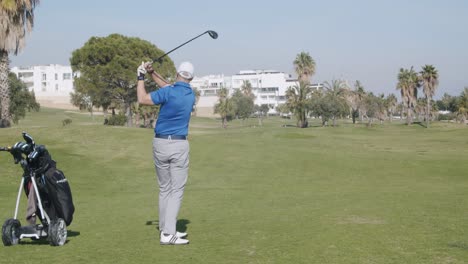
181	225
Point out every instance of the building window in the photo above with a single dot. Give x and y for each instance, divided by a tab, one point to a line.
56	87
67	76
44	77
44	86
56	76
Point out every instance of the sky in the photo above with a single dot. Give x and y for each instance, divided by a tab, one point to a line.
365	40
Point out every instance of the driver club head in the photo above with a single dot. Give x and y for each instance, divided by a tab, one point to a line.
213	34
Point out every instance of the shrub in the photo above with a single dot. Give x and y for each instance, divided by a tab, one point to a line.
66	121
449	116
116	120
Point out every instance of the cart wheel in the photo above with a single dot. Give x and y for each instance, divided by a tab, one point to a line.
57	232
10	232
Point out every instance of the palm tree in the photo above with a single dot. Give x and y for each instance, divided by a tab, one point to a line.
430	80
391	104
305	66
224	107
297	98
408	83
355	100
298	95
247	90
16	19
360	97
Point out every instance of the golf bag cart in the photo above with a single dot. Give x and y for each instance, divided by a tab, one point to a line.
48	192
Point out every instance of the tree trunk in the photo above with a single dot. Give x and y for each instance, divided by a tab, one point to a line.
137	119
408	116
128	114
427	112
4	90
224	121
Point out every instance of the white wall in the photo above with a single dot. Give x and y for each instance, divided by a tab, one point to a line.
268	86
52	84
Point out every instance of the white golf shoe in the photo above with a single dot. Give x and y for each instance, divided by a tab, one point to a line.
168	239
178	234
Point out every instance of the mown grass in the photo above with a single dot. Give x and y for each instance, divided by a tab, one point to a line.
256	194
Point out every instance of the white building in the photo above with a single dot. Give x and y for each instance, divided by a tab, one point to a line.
52	84
268	86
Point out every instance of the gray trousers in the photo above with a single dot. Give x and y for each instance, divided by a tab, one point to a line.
171	160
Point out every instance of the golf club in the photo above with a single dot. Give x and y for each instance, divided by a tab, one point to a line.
212	34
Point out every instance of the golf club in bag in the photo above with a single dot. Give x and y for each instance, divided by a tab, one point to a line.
48	192
211	33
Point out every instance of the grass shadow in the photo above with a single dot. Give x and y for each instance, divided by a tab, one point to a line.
181	225
459	245
420	123
71	233
40	242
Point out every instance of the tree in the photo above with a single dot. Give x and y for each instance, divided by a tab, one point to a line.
107	70
430	81
372	105
304	66
356	100
262	111
243	105
224	107
408	84
16	20
21	99
197	98
335	98
297	102
282	110
391	105
246	89
462	106
321	106
82	101
446	100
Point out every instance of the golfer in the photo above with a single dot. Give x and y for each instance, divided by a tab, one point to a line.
170	145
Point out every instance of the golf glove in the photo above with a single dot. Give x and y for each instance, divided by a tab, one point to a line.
141	71
149	67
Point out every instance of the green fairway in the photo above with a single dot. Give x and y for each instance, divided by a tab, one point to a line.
255	194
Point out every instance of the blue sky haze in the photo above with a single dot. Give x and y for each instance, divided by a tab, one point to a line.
353	40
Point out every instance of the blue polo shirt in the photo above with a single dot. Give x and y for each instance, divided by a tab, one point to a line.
176	106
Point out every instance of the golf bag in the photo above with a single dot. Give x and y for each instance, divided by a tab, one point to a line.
59	194
53	187
49	196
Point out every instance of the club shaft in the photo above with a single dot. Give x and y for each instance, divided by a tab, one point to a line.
179	46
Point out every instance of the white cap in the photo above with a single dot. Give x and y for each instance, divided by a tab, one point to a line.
185	70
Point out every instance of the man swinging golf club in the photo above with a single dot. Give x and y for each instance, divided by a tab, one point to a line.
170	145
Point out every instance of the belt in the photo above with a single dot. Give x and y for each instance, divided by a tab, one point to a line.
171	137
